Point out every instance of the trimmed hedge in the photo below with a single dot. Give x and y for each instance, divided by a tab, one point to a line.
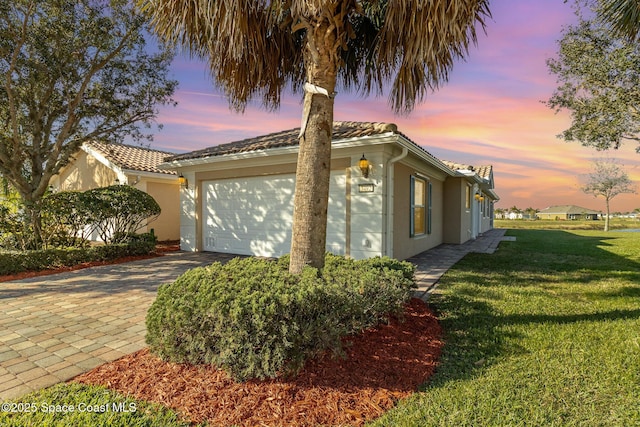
12	262
254	319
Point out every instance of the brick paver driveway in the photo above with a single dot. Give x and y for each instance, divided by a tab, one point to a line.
53	328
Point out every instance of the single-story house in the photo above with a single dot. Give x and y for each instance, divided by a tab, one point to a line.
238	197
567	212
100	164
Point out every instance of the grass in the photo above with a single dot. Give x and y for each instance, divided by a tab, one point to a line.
545	332
549	224
81	405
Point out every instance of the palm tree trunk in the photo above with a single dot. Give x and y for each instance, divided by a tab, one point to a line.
313	170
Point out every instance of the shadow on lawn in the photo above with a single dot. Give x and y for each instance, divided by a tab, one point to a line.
476	333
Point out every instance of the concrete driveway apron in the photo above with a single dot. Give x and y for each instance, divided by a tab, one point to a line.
55	327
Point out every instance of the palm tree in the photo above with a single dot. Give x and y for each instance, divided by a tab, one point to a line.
256	48
623	15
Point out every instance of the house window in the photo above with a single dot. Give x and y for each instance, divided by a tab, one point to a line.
420	207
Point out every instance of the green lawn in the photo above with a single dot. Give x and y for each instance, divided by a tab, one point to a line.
549	224
545	332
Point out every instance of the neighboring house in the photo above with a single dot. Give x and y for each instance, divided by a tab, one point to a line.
239	196
515	215
99	164
567	212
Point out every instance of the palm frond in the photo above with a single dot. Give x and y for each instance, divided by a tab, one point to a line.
623	15
255	48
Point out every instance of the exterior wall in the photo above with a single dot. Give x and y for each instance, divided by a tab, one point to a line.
366	215
405	246
166	226
486	218
84	173
457	217
189	214
377	221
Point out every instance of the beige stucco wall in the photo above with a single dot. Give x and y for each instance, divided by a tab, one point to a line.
85	173
405	246
457	222
167	225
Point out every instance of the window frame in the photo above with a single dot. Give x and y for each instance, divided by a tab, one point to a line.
425	206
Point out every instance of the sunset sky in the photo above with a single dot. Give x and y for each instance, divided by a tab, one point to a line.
490	112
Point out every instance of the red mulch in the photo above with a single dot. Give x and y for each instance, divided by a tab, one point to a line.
161	248
383	365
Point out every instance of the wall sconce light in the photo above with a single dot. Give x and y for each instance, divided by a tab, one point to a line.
479	197
364	166
116	182
183	181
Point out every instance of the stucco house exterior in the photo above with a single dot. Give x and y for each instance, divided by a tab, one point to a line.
100	164
567	212
238	196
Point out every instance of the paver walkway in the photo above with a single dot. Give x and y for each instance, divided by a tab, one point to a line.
432	264
53	328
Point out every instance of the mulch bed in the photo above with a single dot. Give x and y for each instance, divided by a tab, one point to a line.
161	248
383	364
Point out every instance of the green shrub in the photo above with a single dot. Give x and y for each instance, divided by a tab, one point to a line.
18	261
120	210
66	216
254	319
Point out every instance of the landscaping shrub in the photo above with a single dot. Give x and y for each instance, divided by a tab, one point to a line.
66	216
18	261
254	319
120	210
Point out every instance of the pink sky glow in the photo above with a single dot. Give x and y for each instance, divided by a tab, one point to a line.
490	112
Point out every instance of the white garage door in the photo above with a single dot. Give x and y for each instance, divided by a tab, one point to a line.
253	216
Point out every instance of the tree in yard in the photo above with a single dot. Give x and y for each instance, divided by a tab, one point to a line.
256	48
607	179
599	84
531	212
72	71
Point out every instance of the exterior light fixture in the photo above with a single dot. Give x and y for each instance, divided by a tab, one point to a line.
183	181
477	196
364	166
116	182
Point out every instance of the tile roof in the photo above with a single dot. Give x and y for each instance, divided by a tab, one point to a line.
483	171
289	138
567	209
135	158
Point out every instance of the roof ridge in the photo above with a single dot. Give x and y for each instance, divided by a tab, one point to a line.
139	147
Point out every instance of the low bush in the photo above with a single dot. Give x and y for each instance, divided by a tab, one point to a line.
254	319
12	262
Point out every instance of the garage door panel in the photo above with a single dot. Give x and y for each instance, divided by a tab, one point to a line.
254	216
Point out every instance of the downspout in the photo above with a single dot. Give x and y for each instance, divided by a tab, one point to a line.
390	169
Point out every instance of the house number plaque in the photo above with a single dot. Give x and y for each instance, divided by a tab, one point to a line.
366	188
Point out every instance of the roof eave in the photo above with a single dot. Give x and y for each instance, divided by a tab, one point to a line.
358	141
